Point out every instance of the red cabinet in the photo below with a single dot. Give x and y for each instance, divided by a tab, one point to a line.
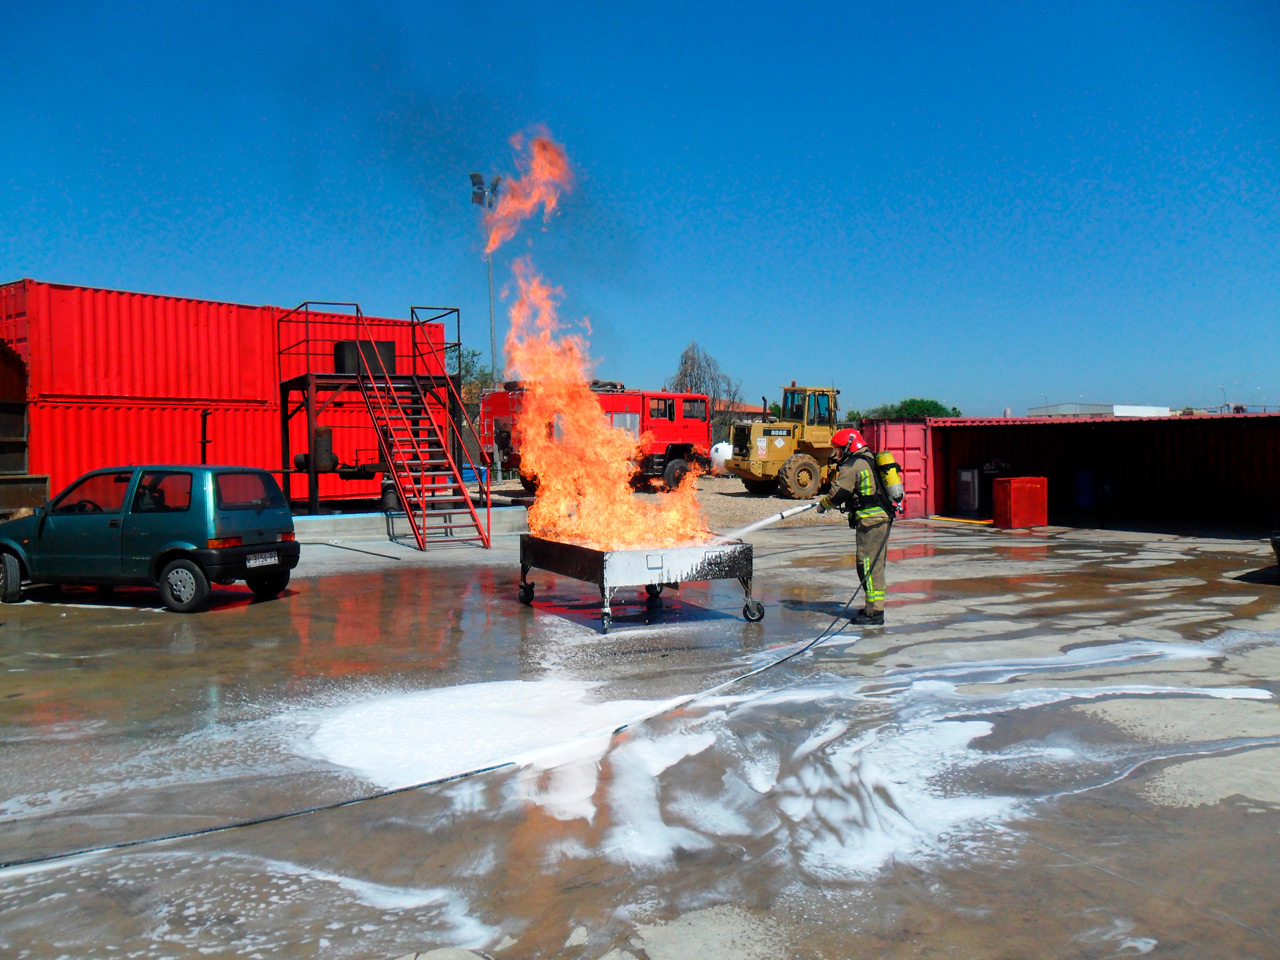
1021	502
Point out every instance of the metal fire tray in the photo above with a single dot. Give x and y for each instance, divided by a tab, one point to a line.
652	568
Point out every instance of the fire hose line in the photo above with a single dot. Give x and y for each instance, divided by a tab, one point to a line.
668	707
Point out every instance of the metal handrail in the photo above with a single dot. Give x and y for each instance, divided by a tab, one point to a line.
485	459
385	442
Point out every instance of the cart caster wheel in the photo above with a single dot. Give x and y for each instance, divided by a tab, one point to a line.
653	589
526	594
605	620
753	610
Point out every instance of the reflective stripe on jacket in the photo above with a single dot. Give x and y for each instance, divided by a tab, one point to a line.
856	484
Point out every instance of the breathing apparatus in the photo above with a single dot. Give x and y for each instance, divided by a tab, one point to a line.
890	476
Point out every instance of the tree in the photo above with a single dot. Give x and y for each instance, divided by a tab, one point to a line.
474	380
910	408
775	410
698	372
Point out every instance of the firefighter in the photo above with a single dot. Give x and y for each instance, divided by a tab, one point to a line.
870	515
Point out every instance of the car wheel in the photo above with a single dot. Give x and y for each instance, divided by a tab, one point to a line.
674	473
183	586
265	586
10	578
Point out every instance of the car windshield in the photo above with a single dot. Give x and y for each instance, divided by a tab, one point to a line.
249	490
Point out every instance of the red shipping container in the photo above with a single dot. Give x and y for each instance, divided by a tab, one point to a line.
113	378
908	441
1021	502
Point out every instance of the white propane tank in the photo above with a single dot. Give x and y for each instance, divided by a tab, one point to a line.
720	452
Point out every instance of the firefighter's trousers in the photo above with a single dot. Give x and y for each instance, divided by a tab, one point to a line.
873	538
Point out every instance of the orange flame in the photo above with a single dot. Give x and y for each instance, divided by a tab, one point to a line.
546	175
583	464
581	461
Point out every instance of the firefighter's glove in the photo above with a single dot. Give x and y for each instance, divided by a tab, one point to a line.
824	504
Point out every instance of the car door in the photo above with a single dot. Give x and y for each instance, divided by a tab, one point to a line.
78	537
159	514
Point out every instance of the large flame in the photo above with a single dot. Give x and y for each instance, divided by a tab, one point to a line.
583	464
546	175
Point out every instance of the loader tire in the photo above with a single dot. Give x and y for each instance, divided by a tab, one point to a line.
760	488
800	477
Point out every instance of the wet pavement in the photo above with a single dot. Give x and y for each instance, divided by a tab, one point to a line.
1063	744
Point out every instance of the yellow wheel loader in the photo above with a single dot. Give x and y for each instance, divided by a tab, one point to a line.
792	453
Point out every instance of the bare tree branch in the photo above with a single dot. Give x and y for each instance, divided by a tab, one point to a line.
698	372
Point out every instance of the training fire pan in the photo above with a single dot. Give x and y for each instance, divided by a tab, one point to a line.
652	568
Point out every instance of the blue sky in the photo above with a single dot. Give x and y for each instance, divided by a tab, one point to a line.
991	204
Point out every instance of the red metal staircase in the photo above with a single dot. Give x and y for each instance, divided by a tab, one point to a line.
419	441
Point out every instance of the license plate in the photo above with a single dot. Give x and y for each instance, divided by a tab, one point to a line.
262	559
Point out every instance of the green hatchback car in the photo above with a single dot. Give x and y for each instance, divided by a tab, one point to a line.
180	528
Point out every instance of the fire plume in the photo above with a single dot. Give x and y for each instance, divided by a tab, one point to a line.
545	175
583	464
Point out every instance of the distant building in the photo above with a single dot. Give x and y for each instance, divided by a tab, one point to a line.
745	409
1098	410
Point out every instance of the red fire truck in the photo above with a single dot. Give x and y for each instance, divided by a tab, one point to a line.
676	428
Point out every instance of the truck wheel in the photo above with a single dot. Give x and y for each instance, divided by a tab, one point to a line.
265	586
674	472
183	586
530	484
760	488
800	477
10	578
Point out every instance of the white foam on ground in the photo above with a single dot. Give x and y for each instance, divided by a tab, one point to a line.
876	772
403	739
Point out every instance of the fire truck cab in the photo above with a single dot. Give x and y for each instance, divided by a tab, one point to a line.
675	428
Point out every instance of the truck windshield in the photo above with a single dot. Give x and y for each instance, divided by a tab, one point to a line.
793	405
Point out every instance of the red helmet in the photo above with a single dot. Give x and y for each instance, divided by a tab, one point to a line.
848	437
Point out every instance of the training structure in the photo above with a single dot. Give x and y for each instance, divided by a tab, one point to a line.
341	406
652	568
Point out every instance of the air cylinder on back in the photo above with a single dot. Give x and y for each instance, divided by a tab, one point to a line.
890	473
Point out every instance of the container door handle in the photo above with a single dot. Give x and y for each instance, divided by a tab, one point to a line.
113	524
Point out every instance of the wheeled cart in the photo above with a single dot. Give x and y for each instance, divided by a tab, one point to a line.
652	568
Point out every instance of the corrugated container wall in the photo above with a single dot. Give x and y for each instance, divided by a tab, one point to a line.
1164	473
908	441
81	342
117	377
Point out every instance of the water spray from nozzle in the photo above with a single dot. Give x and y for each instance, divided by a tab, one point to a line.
765	522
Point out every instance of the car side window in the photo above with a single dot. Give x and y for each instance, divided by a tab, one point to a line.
97	493
163	491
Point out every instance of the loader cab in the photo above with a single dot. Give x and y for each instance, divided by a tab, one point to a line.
793	405
820	413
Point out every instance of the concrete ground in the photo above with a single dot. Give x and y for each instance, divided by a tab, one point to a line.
1064	743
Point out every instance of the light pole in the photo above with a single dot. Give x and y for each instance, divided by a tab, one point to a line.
487	196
